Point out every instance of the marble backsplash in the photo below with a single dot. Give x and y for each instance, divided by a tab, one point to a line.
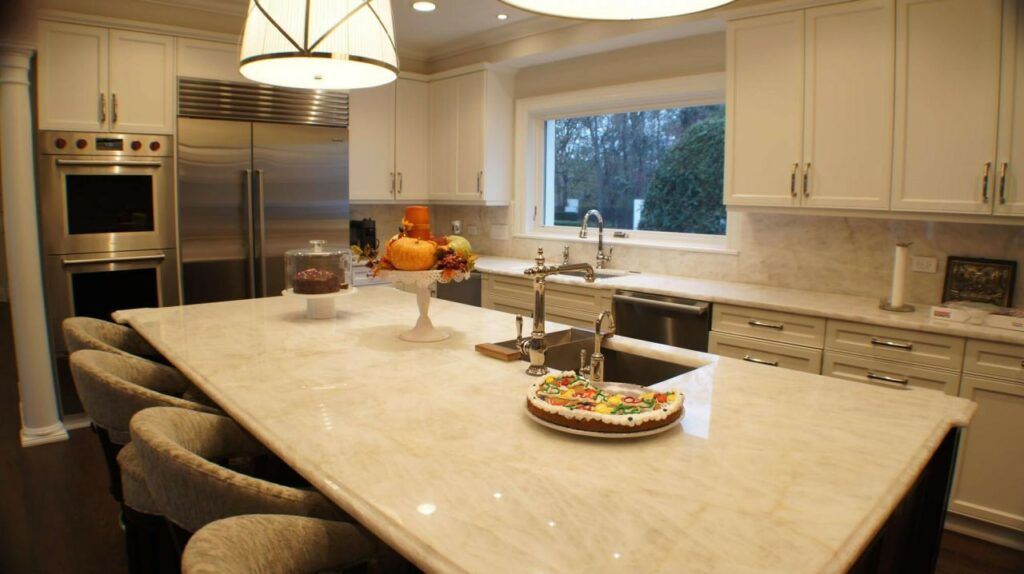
832	254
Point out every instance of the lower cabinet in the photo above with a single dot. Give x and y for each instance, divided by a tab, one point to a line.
889	373
765	352
989	482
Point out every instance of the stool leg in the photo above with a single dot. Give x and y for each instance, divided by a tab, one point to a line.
150	546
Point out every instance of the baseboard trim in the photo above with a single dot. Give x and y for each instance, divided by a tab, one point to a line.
77	421
36	437
3	295
985	531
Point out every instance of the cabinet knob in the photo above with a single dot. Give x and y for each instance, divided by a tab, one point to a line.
154	146
136	145
81	143
60	143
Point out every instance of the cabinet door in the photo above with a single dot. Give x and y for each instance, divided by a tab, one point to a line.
412	140
764	109
142	86
990	466
444	132
470	164
947	100
208	60
372	144
1009	194
72	77
848	94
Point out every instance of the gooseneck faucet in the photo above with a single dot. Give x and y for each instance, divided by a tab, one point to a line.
597	359
602	257
535	347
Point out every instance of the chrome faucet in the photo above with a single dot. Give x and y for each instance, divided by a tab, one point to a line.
535	347
602	257
596	368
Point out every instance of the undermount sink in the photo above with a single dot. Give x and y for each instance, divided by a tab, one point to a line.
619	366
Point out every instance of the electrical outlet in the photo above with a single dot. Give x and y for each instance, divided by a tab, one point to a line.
472	230
924	264
456	227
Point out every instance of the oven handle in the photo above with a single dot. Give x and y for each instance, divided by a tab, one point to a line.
250	232
108	163
697	309
160	257
262	216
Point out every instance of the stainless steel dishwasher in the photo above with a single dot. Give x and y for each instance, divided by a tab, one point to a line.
662	319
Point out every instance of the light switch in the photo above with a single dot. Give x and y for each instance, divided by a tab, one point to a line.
924	264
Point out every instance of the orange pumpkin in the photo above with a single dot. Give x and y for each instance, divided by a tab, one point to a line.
410	254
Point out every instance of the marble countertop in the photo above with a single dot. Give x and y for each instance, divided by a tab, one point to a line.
829	305
430	447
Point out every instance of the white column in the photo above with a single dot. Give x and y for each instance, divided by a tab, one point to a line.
40	421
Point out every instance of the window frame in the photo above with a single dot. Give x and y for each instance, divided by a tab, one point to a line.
532	151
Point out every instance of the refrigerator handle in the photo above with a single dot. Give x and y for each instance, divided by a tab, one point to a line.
250	233
261	209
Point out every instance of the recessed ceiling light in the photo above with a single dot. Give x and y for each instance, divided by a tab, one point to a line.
424	6
502	16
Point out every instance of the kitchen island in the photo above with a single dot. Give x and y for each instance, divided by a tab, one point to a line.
429	445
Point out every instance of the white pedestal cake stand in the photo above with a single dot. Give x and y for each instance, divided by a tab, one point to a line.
424	331
319	306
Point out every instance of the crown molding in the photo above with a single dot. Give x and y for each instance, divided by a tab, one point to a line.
135	25
227	7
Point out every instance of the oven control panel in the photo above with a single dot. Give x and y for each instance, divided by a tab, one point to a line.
104	144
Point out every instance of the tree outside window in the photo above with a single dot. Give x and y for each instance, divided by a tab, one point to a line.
655	170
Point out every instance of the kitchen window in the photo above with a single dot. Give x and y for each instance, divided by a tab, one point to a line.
649	157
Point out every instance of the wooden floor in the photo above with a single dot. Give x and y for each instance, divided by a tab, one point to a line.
56	514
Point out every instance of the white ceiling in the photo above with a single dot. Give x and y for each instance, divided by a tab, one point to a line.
454	21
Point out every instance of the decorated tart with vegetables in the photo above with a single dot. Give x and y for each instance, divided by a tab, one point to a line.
568	400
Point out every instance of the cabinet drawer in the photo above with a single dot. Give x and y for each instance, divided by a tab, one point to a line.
898	344
504	288
765	352
888	373
996	359
771	325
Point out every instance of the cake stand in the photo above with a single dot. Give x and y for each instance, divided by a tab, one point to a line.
319	306
424	331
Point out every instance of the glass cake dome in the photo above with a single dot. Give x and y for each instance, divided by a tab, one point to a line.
318	269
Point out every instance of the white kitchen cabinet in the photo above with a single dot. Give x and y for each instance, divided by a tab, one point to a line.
73	77
1008	198
809	104
990	466
142	83
97	79
208	60
372	144
848	111
764	109
471	138
947	105
412	140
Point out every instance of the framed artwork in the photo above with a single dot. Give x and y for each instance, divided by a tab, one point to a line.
980	280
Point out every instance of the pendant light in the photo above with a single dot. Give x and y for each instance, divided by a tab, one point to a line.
319	44
615	9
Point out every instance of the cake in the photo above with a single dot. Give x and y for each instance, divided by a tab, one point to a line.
316	282
565	399
416	223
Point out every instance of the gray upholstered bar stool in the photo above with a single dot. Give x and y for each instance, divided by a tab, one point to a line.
88	333
275	544
184	457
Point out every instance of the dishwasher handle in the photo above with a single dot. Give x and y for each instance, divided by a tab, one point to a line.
698	308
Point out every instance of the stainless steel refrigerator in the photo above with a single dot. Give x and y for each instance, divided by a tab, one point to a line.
248	192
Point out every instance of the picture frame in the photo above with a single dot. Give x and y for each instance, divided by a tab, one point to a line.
980	280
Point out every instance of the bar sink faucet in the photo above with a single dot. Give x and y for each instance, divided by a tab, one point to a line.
535	346
602	257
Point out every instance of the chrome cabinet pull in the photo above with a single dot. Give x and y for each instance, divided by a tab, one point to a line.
984	182
807	187
113	260
113	109
792	179
393	188
698	308
1002	184
766	325
400	183
885	379
750	359
479	182
893	344
103	108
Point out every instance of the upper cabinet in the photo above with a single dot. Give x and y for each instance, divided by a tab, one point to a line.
1008	197
412	140
471	138
208	60
947	105
809	104
97	79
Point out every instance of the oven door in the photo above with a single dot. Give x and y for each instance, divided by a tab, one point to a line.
97	284
94	204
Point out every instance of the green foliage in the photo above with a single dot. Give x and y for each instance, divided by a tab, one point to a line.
686	194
